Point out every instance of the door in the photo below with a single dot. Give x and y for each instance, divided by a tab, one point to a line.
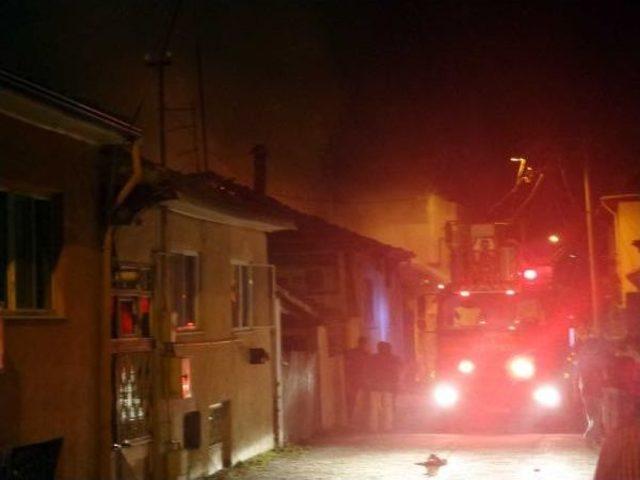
131	363
131	416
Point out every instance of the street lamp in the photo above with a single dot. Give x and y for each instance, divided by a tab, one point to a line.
554	238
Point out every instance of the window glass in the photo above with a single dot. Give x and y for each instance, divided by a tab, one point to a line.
252	292
183	281
241	296
27	251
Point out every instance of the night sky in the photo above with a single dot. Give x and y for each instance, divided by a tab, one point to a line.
368	99
443	87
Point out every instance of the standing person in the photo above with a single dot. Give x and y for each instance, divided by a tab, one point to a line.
619	457
385	377
591	382
357	362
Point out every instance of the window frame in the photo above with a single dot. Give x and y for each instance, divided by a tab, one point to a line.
247	324
196	286
251	267
8	264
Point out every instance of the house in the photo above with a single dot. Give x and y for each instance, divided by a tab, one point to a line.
192	256
51	237
625	252
339	286
139	322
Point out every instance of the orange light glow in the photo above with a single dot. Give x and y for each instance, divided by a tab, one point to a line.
554	238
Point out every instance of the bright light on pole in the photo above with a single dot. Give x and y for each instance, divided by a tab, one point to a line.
466	366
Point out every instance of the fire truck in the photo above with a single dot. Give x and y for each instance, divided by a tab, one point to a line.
504	356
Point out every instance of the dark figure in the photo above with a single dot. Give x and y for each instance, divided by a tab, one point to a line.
619	457
623	386
357	363
385	378
592	364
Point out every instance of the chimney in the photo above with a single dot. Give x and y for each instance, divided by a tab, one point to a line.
260	155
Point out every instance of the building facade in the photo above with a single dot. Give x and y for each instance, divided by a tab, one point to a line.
51	270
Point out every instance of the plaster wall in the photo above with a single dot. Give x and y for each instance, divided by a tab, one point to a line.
627	228
49	386
219	355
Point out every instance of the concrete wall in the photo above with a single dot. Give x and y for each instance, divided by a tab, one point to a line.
49	387
416	224
220	367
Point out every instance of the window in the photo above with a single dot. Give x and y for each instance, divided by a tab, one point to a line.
252	293
132	382
29	244
183	289
241	296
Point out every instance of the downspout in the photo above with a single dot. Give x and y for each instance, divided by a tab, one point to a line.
105	388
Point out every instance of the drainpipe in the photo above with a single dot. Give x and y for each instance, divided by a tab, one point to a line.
105	399
279	432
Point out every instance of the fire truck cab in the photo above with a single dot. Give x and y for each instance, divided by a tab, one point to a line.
504	356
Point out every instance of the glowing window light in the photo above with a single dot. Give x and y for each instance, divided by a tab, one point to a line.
521	368
441	286
530	274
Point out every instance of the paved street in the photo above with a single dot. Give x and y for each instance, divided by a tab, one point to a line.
394	456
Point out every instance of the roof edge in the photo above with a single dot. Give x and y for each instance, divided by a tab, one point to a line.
32	90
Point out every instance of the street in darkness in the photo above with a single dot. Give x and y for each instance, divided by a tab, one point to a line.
394	456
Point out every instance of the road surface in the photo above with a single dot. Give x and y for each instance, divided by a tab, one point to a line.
394	456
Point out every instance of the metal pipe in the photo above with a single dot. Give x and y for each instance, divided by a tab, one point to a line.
105	399
595	318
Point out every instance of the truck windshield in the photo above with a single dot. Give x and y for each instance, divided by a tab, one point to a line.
490	311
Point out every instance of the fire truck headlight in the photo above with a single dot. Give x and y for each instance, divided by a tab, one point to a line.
547	396
466	366
521	368
445	395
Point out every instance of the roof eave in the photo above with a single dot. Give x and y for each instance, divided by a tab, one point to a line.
49	110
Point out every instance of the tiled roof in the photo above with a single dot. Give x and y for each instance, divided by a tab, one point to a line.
308	227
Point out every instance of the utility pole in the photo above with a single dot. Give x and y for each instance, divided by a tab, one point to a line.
159	64
595	317
202	102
